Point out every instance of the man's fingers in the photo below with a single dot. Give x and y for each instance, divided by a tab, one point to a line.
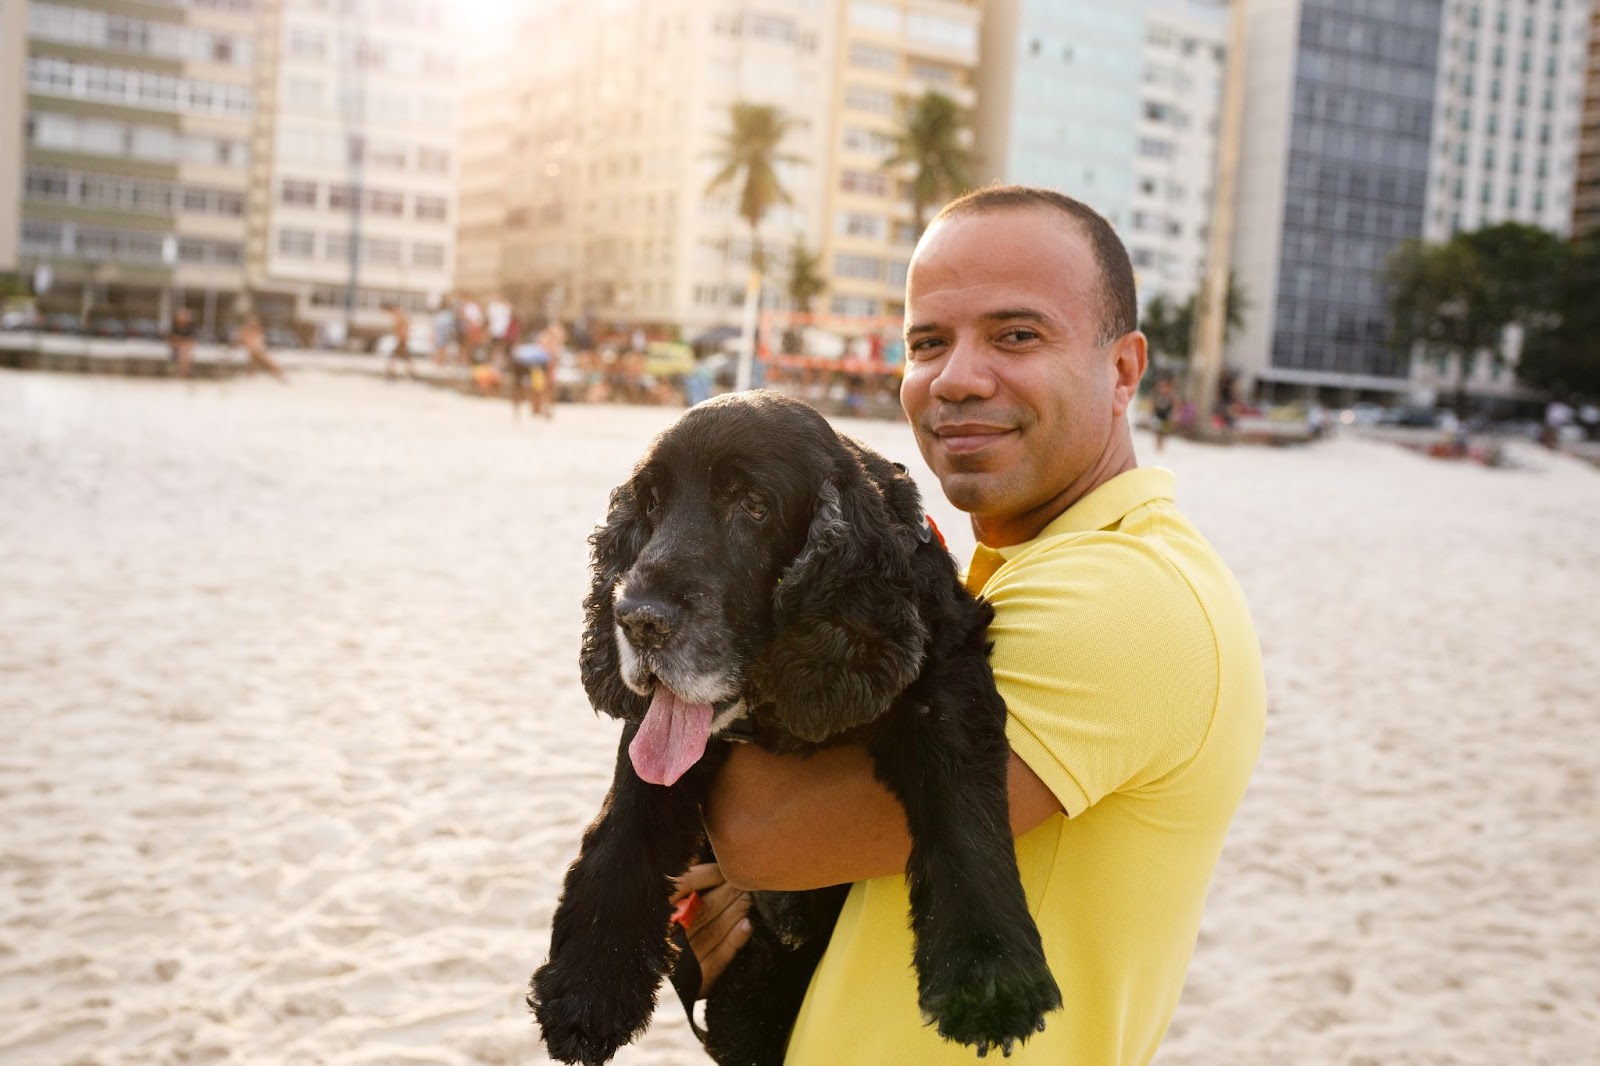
705	876
721	909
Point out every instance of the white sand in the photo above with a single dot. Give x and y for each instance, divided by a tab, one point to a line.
297	751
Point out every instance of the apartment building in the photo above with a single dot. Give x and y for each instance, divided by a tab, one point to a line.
355	178
136	136
1506	118
1175	156
13	55
597	207
1060	99
1586	186
890	52
1333	174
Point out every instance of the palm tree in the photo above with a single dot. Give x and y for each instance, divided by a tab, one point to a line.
749	157
806	282
930	142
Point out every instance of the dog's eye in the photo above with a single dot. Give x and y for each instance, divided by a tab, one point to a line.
754	506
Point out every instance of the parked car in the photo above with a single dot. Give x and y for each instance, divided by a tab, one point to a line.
1414	417
19	318
62	322
107	326
145	329
280	338
1361	414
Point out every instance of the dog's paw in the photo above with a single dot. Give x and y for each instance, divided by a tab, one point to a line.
585	1018
993	1004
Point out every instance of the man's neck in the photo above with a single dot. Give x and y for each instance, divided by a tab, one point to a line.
1006	531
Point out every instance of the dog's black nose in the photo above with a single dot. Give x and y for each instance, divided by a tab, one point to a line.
649	622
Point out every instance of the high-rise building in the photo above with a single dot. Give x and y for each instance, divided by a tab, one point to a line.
1506	115
355	180
601	193
1060	96
13	52
1175	158
1332	175
136	138
1586	186
1117	107
890	53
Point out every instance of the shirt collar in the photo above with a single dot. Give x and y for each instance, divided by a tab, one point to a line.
1101	509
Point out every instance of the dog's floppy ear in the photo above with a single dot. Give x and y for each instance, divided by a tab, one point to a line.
613	548
849	634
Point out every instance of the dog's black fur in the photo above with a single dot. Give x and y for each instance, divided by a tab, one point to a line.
757	556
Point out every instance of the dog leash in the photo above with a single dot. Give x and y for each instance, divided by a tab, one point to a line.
686	976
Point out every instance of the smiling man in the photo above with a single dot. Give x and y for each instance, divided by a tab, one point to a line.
1122	646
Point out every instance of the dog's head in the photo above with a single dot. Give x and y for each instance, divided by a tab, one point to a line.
750	558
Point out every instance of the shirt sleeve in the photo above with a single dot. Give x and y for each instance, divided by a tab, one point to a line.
1107	663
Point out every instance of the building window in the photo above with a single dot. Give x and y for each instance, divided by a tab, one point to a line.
341	197
433	161
381	251
864	98
854	306
428	255
385	202
298	193
864	182
873	57
1152	148
431	208
848	265
297	243
856	224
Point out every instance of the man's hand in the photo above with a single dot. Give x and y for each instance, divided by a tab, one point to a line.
719	929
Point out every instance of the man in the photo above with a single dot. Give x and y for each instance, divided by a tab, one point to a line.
1122	646
400	330
181	340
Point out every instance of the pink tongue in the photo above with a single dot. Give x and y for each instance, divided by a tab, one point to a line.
671	738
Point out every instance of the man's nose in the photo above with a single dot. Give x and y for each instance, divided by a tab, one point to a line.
648	622
964	373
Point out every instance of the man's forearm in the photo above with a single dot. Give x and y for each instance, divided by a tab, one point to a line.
791	822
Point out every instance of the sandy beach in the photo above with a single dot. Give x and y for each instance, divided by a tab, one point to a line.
298	752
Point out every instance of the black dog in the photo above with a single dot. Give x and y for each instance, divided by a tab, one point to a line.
760	574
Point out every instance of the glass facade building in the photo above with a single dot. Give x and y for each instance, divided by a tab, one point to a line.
1356	179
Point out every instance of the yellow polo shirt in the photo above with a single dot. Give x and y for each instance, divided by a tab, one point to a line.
1132	675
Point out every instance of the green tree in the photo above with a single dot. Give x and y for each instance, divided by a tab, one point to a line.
1462	297
930	144
748	157
1170	330
1168	327
1562	354
806	282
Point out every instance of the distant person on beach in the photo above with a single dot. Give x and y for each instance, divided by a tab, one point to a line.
498	318
252	337
1163	406
180	338
400	330
1121	643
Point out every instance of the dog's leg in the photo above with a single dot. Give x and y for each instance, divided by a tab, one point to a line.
981	971
609	947
753	1006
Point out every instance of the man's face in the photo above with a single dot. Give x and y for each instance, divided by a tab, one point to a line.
1013	399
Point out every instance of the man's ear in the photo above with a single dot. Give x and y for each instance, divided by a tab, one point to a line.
849	635
1129	359
613	548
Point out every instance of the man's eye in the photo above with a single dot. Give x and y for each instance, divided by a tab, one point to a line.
1019	336
754	506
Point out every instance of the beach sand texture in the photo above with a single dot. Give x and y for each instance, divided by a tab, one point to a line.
297	751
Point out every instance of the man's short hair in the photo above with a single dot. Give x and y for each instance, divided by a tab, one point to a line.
1120	313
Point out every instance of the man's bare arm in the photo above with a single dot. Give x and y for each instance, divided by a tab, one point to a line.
791	822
